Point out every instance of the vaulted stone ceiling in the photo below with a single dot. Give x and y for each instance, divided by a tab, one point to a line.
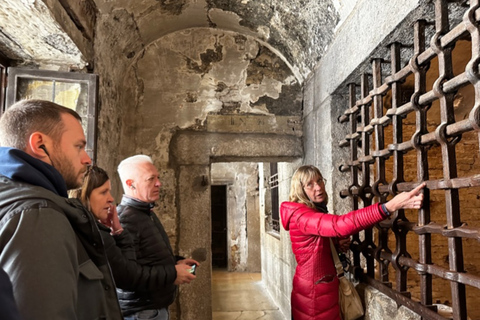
298	31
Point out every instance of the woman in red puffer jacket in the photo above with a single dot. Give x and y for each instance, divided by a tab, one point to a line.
315	284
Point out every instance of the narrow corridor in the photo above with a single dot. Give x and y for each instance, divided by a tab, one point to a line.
241	296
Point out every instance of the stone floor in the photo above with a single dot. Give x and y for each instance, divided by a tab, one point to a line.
241	296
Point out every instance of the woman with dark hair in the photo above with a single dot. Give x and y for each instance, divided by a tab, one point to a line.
95	195
305	216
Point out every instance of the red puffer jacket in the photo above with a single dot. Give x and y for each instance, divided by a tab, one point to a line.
315	285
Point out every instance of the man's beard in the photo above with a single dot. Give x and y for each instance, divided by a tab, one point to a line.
66	169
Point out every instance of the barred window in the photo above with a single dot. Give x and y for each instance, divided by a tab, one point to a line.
273	183
428	256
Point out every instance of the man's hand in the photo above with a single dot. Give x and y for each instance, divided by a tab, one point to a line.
183	273
189	262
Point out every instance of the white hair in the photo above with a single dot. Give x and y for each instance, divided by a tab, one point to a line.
127	167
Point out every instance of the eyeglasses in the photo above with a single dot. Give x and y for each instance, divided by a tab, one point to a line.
312	184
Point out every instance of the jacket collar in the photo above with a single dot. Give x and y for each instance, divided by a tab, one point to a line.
17	165
321	206
132	202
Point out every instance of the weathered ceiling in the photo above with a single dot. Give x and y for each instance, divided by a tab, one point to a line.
299	31
29	34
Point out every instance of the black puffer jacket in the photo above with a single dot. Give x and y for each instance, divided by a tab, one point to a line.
130	275
152	248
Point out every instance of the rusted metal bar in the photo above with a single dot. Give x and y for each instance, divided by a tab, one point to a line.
457	183
448	39
459	277
426	312
425	243
379	163
398	174
353	139
447	116
366	197
470	20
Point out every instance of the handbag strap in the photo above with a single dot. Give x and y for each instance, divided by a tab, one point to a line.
336	260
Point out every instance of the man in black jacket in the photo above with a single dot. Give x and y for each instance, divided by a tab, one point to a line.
49	245
141	184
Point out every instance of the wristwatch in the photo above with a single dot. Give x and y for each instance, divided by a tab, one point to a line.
384	209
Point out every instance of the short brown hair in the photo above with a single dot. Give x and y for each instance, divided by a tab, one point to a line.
27	116
300	178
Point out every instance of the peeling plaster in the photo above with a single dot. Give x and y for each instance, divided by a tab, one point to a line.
298	31
203	71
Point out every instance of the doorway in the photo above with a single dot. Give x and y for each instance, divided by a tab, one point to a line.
219	226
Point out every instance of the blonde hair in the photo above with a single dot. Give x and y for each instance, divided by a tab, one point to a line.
301	178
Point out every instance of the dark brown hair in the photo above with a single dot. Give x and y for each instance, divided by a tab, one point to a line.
94	177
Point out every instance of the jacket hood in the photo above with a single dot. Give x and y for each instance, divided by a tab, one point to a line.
287	209
19	166
17	196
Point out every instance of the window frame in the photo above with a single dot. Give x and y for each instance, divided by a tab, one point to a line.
14	75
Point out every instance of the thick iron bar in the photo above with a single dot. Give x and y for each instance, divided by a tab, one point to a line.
379	166
405	300
435	270
367	197
398	176
447	116
472	69
353	138
457	183
425	243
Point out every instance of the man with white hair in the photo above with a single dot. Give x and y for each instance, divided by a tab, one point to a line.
141	185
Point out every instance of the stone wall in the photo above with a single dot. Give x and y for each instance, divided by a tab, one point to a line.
278	261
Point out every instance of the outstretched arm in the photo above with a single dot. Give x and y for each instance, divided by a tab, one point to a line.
312	222
407	200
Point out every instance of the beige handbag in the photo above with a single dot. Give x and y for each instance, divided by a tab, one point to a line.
350	303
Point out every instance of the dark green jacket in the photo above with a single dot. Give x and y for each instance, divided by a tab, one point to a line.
51	249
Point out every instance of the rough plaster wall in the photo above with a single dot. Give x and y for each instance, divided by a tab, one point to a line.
361	33
242	220
199	72
116	37
299	30
195	72
278	261
344	8
202	70
41	41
